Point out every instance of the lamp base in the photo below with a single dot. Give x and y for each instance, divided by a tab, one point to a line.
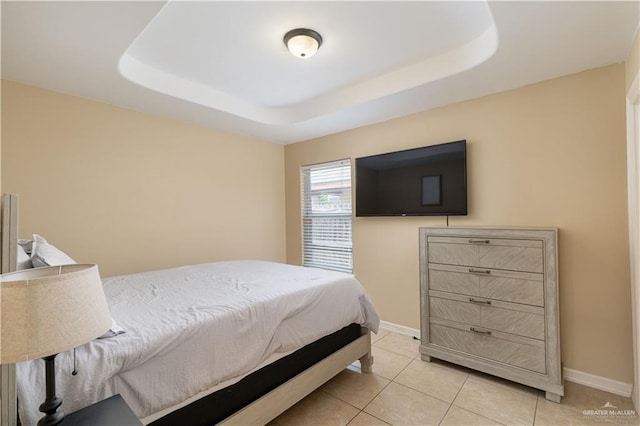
52	402
51	419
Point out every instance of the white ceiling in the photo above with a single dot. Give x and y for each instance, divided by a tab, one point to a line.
224	65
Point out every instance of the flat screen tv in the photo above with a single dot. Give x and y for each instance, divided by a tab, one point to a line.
427	181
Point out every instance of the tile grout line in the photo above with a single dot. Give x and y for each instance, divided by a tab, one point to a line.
367	404
385	386
361	410
535	412
454	398
391	350
469	410
425	393
392	380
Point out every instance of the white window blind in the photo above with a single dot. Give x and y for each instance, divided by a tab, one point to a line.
326	216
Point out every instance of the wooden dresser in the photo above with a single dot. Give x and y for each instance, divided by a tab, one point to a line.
489	301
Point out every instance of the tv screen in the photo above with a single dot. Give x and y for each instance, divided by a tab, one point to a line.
427	181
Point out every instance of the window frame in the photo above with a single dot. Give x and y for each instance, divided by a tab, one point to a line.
319	248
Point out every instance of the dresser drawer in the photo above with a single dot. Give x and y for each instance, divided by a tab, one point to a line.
519	287
520	352
527	321
492	253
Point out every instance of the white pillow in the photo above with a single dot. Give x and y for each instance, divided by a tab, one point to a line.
45	254
26	245
24	261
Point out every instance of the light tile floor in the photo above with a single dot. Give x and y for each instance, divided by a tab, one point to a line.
404	390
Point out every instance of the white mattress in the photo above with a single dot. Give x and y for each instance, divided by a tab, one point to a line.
191	328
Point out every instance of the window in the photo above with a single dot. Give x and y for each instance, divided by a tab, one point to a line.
326	216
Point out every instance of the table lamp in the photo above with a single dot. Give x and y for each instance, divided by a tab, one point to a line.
48	310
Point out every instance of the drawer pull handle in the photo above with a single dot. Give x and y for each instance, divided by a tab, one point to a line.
487	332
479	271
484	302
476	241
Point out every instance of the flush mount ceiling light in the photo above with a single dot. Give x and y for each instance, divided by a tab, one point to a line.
303	42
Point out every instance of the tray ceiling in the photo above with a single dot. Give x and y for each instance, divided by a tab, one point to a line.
224	64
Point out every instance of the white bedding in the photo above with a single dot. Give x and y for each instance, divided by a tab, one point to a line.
190	328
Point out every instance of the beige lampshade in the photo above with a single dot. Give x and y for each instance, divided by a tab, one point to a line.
45	311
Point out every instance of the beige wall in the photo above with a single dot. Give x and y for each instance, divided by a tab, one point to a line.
132	191
550	154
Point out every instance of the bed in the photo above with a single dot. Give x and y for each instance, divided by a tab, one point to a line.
234	342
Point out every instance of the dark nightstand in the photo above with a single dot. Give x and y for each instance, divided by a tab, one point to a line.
112	411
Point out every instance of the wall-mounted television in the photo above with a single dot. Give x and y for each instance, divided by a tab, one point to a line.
426	181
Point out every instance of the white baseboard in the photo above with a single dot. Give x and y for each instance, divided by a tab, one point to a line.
574	376
597	382
401	329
